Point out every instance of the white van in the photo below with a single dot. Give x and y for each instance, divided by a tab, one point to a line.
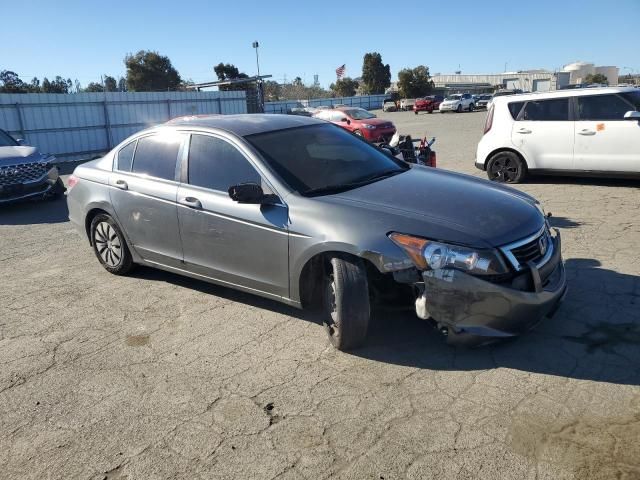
590	131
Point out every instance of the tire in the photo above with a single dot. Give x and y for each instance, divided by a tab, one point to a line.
346	303
57	190
415	111
506	167
459	109
430	111
471	107
109	245
358	133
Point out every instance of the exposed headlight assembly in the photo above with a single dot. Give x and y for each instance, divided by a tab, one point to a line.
430	255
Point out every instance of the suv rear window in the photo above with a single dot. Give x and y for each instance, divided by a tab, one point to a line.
514	108
552	110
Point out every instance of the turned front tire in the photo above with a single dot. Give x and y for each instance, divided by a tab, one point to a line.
346	300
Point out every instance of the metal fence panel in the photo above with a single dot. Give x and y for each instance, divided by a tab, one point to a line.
368	102
87	124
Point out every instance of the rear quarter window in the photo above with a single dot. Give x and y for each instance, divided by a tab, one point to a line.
514	109
125	157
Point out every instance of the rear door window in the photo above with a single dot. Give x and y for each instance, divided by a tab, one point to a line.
552	110
602	107
216	164
156	156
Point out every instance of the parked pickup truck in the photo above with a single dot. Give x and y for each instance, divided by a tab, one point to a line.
427	104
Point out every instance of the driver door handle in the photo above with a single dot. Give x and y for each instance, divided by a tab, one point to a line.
122	185
524	130
190	202
586	132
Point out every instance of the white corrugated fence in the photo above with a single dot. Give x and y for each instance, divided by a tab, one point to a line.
83	125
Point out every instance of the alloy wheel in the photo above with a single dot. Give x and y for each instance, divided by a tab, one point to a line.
504	169
108	244
332	324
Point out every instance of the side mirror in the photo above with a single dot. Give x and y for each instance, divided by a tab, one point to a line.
632	115
247	193
345	120
21	142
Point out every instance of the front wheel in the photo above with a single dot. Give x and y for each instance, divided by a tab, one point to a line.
459	109
471	107
109	245
506	167
346	300
358	133
415	111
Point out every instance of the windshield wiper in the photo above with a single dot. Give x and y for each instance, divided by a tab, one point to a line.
359	183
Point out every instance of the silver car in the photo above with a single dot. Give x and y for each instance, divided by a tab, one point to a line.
303	212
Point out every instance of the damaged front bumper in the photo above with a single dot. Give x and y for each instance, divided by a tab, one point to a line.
41	187
472	311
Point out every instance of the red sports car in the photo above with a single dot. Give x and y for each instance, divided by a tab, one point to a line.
359	121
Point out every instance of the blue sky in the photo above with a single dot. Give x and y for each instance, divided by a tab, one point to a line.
84	39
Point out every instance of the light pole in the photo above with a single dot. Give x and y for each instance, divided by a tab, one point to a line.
259	81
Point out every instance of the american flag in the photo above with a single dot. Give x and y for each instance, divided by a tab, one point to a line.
340	71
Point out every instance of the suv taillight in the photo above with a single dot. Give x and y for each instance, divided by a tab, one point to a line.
71	182
488	123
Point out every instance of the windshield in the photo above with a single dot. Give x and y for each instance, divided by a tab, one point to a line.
634	98
454	97
359	114
322	159
7	140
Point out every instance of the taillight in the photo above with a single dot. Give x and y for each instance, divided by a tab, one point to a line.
488	123
71	182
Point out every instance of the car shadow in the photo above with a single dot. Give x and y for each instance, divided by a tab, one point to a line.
594	181
589	338
35	212
563	222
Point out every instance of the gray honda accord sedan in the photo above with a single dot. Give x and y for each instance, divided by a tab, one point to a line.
301	211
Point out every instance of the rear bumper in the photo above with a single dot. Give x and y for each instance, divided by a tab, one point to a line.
476	312
34	190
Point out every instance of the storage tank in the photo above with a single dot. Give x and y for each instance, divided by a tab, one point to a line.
579	71
610	72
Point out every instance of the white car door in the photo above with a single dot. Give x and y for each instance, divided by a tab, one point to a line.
544	134
604	140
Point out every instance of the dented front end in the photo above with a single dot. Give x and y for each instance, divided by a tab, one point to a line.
472	311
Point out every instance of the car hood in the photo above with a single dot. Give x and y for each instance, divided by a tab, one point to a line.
450	102
15	155
447	206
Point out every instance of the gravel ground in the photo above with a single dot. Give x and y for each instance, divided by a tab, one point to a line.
158	376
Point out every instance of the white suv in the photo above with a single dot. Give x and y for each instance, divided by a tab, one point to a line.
457	103
592	131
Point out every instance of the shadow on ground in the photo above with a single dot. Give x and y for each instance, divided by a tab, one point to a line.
594	181
35	212
600	344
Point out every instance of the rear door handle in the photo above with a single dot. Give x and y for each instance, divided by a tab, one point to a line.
122	185
524	130
586	132
191	202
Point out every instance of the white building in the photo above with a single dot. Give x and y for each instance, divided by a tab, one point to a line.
580	70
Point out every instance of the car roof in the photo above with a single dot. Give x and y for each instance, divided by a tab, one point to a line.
245	124
578	92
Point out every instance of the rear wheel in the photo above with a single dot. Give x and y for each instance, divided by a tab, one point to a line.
109	245
346	301
506	167
415	111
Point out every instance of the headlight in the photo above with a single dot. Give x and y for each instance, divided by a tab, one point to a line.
370	127
430	255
